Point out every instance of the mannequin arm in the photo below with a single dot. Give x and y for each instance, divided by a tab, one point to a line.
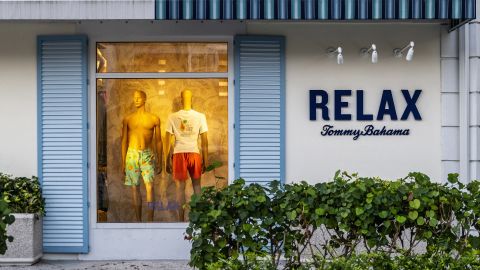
204	139
159	147
124	143
168	138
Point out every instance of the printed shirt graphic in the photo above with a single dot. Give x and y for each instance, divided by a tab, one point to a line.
186	126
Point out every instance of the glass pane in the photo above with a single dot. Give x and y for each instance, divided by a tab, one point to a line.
161	57
118	102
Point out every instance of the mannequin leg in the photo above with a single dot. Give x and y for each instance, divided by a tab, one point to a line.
137	203
150	202
197	187
180	193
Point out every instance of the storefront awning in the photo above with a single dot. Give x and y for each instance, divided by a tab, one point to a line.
335	10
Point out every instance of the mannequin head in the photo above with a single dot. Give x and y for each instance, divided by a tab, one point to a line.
186	99
139	98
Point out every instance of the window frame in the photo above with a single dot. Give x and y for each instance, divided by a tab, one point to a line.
92	131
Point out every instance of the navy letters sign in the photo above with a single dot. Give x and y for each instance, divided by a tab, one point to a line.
319	102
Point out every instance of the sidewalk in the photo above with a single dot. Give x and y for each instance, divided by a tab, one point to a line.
103	265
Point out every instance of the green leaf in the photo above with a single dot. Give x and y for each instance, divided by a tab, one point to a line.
387	223
213	165
433	222
291	215
401	219
420	221
383	214
359	211
247	227
320	211
453	178
415	204
261	198
412	215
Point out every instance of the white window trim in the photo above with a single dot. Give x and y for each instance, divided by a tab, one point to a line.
92	117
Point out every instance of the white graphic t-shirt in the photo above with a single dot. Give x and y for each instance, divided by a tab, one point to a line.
186	126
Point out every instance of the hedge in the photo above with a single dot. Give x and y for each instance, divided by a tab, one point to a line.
248	225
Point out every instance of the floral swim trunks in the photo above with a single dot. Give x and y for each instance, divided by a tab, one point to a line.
139	162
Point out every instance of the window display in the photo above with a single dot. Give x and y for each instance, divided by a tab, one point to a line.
155	138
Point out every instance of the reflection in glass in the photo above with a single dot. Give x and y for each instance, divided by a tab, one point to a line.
161	57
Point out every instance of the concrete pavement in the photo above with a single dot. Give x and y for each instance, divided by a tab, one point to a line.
103	265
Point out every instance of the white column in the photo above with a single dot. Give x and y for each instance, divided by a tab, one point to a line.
450	102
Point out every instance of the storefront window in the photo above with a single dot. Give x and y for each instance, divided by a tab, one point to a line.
137	116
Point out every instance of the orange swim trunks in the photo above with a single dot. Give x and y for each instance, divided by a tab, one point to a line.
187	162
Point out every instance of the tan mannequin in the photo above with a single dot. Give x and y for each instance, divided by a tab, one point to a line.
198	130
139	130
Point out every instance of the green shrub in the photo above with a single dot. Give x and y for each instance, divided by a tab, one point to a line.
5	219
23	195
384	261
246	224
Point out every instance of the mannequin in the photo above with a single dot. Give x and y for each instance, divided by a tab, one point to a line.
140	156
186	159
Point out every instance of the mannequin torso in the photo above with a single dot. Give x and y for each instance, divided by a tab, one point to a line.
140	130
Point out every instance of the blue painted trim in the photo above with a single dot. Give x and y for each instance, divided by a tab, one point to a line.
456	9
413	10
470	9
187	9
403	9
350	8
40	40
377	9
237	41
227	10
430	9
67	250
390	9
336	9
362	12
283	9
309	9
201	10
254	9
443	9
174	10
86	232
296	10
282	108
214	9
322	13
242	9
269	10
84	40
160	10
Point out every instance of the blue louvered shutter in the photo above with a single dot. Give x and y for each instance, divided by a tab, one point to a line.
62	134
259	108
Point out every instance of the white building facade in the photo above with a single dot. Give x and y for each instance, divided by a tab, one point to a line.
278	104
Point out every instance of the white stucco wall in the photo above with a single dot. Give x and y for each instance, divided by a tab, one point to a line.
314	158
18	92
309	156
